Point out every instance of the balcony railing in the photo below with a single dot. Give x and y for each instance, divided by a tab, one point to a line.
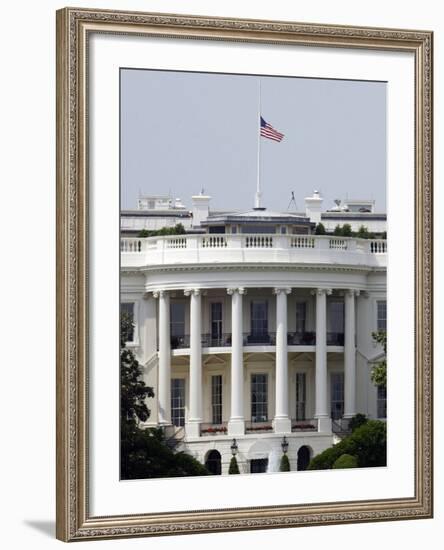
335	338
258	427
211	341
309	425
213	429
227	248
253	339
301	338
259	339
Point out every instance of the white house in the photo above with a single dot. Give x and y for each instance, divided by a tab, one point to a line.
255	332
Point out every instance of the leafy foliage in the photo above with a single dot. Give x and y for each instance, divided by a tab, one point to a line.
347	230
144	452
133	390
345	461
178	229
234	467
379	371
356	421
368	444
285	464
320	229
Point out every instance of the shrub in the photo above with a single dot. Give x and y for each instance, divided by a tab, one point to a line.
368	443
178	229
357	421
362	232
338	231
285	464
347	230
234	467
320	229
345	461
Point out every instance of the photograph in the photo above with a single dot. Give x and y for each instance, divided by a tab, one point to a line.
253	273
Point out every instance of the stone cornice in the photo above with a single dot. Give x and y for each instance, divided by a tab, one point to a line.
253	267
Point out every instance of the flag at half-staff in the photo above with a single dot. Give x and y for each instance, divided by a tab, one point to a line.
267	131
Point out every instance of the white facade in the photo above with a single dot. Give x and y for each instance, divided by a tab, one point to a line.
254	337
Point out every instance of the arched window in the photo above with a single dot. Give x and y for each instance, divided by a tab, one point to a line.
213	462
304	456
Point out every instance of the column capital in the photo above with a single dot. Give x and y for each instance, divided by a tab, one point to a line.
240	290
160	293
194	291
321	291
281	290
350	292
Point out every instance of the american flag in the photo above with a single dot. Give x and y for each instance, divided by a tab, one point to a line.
267	131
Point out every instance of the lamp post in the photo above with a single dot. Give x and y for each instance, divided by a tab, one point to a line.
234	447
284	445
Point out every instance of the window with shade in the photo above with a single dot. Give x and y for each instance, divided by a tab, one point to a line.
259	397
381	321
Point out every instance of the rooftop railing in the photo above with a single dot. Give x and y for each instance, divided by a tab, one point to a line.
232	248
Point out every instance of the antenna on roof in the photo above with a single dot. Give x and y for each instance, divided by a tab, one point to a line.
292	201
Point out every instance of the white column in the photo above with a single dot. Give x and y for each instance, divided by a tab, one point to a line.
282	421
195	413
350	355
164	386
321	405
236	424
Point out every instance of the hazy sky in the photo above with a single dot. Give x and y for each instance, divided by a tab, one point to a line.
181	132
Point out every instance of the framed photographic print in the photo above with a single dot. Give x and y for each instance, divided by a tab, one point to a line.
244	274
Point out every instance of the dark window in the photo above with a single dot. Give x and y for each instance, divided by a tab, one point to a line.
381	323
259	397
177	323
303	458
178	401
216	229
258	465
259	319
301	315
216	399
336	317
337	395
213	462
259	229
381	402
216	324
127	308
301	393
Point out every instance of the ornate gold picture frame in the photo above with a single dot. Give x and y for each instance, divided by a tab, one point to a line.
75	27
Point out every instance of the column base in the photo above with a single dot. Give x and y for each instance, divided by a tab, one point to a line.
324	424
192	429
282	425
236	427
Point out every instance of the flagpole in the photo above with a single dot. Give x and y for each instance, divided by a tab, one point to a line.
257	202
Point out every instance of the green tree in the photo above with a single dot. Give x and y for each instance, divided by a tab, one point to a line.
133	390
379	371
347	230
345	461
356	421
285	464
178	229
320	229
363	233
338	231
368	444
234	467
144	453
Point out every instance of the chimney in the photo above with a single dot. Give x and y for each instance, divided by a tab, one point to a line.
201	208
313	207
